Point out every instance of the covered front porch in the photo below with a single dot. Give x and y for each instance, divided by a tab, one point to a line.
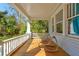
60	40
37	47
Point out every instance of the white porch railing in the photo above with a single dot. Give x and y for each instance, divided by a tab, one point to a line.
10	45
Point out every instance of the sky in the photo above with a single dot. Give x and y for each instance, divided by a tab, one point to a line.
4	6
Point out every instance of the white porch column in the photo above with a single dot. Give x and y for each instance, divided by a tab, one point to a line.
28	27
54	24
64	19
50	26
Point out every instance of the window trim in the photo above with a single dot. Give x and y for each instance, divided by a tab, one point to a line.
72	36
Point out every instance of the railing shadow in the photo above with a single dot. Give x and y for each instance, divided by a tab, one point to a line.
36	50
33	52
21	50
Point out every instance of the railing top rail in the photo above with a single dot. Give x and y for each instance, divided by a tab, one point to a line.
13	38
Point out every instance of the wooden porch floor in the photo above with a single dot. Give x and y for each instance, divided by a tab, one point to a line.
35	47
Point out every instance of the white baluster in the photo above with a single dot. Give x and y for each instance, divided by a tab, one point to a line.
1	50
4	49
11	45
14	44
8	46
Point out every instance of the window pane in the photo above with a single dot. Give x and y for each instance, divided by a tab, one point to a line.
68	10
52	24
59	16
52	20
77	8
52	28
69	22
59	27
73	26
73	9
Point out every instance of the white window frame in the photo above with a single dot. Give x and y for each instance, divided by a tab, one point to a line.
70	35
59	22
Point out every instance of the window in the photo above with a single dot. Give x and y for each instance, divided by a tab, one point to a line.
59	22
73	21
52	24
73	26
59	27
69	10
77	8
73	8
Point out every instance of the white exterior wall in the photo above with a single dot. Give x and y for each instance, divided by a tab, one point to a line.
69	44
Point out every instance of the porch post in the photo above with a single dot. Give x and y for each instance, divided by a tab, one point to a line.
54	24
28	27
64	19
50	26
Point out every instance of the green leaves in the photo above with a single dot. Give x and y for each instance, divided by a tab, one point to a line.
9	27
40	26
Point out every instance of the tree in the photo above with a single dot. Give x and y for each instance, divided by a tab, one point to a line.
3	22
11	25
40	26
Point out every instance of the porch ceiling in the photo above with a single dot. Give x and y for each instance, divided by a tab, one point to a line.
38	10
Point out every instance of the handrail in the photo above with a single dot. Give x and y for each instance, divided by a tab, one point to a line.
13	38
9	45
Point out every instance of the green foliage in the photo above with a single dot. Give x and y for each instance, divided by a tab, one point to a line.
39	26
9	27
22	28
